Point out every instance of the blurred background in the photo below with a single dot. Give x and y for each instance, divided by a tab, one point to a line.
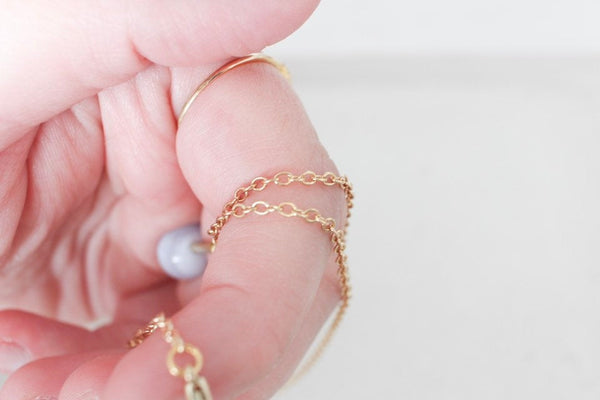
471	130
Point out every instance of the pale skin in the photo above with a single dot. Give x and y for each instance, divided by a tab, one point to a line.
93	170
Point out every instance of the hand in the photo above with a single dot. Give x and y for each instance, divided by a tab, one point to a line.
93	171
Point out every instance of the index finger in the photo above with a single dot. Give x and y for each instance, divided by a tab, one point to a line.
264	275
54	54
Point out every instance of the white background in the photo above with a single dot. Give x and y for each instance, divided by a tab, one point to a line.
353	27
471	130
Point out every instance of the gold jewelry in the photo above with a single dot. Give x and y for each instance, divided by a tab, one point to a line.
236	208
196	387
250	58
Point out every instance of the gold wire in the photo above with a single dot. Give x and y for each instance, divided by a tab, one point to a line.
250	58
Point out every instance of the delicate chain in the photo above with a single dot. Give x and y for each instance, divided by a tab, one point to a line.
282	179
312	215
142	334
238	209
196	387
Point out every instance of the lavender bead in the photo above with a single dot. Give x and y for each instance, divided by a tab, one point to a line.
176	256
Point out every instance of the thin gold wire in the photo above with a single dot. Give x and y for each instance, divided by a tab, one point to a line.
250	58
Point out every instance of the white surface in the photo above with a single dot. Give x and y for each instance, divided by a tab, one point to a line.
350	27
474	244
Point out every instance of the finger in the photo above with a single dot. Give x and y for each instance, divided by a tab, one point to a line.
42	379
262	279
55	54
26	337
141	163
88	380
57	170
13	182
323	305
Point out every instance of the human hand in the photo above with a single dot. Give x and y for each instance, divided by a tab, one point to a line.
93	171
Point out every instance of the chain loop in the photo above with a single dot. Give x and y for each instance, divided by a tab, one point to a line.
196	387
259	183
308	178
261	207
288	178
288	209
241	194
237	208
182	348
283	178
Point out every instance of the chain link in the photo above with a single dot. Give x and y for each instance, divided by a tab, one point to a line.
196	387
281	179
238	209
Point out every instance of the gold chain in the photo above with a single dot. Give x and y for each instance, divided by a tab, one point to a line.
238	209
281	179
196	387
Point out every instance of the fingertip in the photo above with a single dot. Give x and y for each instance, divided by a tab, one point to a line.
26	337
41	379
239	27
38	336
87	382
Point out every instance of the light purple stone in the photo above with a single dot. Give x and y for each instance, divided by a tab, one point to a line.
176	256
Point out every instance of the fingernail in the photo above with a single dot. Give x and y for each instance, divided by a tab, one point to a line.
176	256
12	356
